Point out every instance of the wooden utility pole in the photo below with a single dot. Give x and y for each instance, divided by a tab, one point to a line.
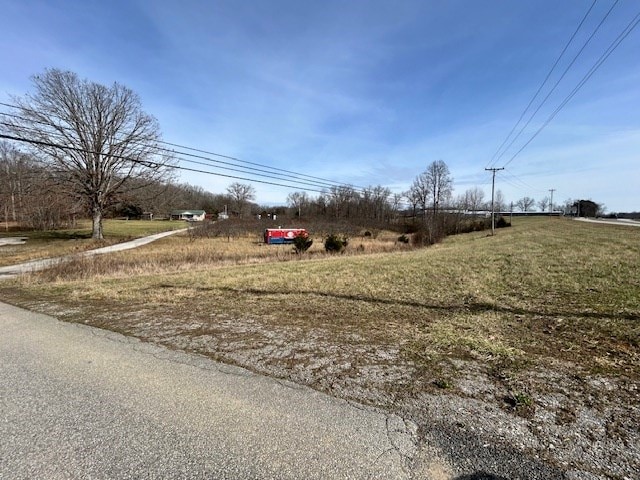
551	205
493	188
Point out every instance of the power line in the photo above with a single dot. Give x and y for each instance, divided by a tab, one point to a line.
544	100
535	95
301	183
253	163
272	170
524	184
153	163
299	179
213	163
142	162
612	47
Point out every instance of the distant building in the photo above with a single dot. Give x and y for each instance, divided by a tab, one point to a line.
585	208
189	215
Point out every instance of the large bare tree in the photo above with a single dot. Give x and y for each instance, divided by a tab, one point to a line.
525	204
297	201
439	183
94	138
431	189
241	194
418	193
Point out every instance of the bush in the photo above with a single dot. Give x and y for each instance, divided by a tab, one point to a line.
420	238
301	243
335	244
412	227
502	223
426	236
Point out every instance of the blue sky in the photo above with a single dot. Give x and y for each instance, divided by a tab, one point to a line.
361	92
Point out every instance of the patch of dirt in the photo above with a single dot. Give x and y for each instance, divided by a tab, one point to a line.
586	425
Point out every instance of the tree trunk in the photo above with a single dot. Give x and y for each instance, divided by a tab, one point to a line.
97	223
13	206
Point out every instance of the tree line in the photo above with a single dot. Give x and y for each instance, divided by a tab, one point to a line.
30	195
90	150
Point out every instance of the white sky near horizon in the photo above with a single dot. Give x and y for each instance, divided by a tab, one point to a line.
359	92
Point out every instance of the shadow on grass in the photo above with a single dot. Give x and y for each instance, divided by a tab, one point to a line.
59	235
471	307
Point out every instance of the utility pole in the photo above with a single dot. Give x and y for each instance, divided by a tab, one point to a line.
493	187
551	205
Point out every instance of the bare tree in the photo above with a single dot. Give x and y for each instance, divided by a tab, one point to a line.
94	138
341	200
297	201
419	192
499	203
29	196
543	204
525	204
439	182
374	203
396	202
432	187
413	198
241	194
474	198
14	180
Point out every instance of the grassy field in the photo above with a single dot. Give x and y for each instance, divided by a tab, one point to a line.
57	243
541	321
545	290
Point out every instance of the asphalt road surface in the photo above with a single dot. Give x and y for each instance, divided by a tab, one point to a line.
79	402
620	222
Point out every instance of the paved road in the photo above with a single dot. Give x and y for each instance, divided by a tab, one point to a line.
13	270
79	402
623	222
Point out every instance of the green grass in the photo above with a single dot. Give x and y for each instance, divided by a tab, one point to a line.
546	293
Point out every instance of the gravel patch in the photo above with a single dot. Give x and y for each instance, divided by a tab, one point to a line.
576	426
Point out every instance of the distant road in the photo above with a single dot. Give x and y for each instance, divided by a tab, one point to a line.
79	402
34	265
621	222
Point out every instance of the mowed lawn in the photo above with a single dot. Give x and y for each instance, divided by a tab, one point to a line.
546	291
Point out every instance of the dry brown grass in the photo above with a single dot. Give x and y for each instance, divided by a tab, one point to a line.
57	243
545	289
185	253
548	309
545	292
